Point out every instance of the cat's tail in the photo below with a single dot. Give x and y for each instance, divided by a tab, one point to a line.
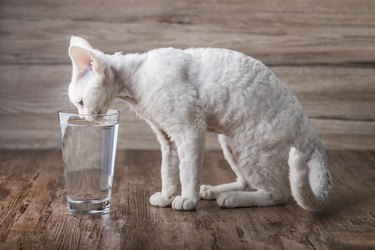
310	179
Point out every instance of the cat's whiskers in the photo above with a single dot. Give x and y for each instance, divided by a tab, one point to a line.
66	97
63	95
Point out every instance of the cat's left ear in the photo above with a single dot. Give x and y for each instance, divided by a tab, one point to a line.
84	57
80	42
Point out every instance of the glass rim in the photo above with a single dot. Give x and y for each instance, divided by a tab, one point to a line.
74	112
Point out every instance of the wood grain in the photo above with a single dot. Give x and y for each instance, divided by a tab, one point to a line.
322	49
33	213
325	92
41	131
279	33
340	107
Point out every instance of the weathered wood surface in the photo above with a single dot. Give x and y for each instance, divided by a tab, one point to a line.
33	211
323	50
342	112
293	32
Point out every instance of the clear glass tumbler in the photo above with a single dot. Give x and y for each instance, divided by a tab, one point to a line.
88	151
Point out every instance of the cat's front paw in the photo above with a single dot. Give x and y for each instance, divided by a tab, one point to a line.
158	200
228	200
206	192
183	203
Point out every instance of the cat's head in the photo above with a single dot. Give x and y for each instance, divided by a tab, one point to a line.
91	89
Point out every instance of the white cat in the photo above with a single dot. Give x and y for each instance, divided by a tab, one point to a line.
182	94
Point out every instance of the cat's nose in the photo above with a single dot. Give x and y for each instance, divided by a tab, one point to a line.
80	114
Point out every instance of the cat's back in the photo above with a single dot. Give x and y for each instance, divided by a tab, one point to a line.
215	69
199	54
224	67
214	54
206	59
211	58
165	54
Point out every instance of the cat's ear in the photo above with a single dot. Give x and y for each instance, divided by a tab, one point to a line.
84	57
80	42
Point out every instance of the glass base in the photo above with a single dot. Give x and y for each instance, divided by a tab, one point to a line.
96	207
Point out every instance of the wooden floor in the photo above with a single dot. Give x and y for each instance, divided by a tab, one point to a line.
34	215
322	50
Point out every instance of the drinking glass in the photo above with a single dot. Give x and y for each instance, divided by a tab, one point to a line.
88	145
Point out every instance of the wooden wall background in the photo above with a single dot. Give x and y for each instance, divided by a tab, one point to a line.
324	50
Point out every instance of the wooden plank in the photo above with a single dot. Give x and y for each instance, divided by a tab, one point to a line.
33	131
332	92
279	33
33	213
340	33
25	131
325	92
19	131
337	134
333	96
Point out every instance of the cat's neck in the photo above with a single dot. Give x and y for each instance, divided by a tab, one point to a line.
127	72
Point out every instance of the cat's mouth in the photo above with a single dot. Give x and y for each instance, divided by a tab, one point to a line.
88	116
91	118
94	115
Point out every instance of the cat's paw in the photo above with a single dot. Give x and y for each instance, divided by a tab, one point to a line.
206	192
158	200
183	203
228	200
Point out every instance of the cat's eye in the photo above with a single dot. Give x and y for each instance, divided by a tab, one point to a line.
81	103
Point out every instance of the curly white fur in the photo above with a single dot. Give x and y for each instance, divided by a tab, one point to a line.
182	94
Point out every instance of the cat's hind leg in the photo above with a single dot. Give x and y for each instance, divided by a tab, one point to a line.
209	192
249	199
267	172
